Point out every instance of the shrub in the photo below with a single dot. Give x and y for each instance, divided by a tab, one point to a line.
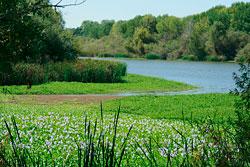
121	55
152	56
87	54
27	74
189	57
242	110
215	58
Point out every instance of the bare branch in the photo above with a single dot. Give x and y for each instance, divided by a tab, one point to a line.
59	2
57	5
40	5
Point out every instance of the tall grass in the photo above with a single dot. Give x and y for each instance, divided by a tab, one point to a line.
80	71
216	147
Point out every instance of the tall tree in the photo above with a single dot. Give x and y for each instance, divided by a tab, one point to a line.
26	28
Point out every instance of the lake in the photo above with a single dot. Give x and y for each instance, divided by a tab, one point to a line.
210	77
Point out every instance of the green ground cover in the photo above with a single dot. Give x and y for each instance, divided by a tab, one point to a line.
60	127
217	106
132	83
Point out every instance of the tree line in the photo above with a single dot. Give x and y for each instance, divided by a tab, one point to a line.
221	33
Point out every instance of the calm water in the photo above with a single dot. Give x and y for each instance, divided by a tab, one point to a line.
209	77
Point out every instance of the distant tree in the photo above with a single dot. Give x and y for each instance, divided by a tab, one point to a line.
106	27
219	32
243	55
94	29
128	27
141	36
219	14
89	29
228	43
149	22
234	41
241	20
169	27
198	39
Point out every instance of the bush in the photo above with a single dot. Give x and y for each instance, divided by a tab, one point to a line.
152	56
189	57
215	58
80	71
121	55
87	54
242	110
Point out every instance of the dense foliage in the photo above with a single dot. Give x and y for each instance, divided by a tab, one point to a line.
242	108
33	42
32	31
217	34
79	71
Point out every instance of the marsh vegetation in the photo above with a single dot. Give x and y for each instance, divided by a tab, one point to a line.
39	57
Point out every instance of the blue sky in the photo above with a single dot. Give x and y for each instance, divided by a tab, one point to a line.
125	9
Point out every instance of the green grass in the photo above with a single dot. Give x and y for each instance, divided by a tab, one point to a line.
132	83
217	106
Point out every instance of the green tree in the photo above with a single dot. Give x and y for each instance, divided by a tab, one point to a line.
228	43
243	55
198	39
27	28
141	36
169	27
149	22
128	28
106	26
89	29
241	19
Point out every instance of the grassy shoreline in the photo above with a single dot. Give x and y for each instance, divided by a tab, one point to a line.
132	83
